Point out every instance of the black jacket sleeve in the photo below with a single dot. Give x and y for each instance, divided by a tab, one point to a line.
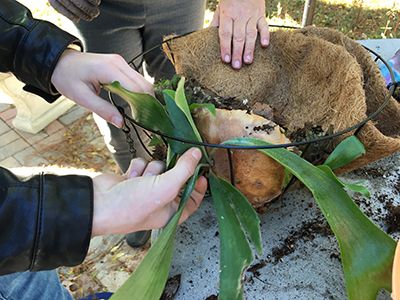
30	48
45	221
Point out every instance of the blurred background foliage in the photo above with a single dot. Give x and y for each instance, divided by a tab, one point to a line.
359	19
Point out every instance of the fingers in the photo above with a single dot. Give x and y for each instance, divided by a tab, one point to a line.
63	10
135	78
77	9
184	168
113	67
251	36
239	23
225	37
141	167
169	184
263	29
155	167
84	8
239	34
136	168
165	213
88	98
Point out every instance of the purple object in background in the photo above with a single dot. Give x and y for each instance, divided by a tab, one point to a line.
394	63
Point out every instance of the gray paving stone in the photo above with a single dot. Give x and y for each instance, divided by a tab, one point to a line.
12	148
30	157
3	127
10	162
8	137
73	115
50	140
4	106
33	138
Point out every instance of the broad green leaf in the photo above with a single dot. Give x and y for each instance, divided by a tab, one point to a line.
358	188
171	158
246	214
181	101
288	177
155	141
148	281
348	150
146	110
235	252
210	107
355	187
149	112
367	252
182	128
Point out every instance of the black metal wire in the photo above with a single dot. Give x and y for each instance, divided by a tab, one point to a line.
357	127
231	167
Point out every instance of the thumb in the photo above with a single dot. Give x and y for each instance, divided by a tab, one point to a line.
186	165
183	170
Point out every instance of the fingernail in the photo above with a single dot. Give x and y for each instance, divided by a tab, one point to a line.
265	42
196	153
149	174
236	64
117	121
248	58
227	58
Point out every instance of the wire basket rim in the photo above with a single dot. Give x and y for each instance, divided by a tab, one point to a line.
357	127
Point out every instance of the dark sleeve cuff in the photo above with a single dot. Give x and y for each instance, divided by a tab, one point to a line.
64	222
37	56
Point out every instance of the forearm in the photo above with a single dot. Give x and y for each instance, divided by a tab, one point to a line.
45	221
30	48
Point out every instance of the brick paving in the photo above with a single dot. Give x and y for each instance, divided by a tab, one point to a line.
19	148
16	147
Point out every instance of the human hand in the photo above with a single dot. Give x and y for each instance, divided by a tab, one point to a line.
142	199
239	22
76	10
79	76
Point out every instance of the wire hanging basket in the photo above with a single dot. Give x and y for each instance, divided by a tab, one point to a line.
130	123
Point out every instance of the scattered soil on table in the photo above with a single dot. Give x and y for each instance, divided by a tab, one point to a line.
397	186
256	267
171	287
371	172
307	232
212	297
393	218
